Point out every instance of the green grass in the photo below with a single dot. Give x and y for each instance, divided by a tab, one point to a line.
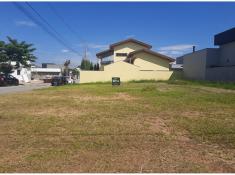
224	85
144	126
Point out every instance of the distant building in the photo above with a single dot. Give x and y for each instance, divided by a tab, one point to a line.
214	64
47	70
50	65
22	73
179	60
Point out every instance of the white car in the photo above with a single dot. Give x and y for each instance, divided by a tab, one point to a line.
69	80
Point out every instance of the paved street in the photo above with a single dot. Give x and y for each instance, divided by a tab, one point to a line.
23	88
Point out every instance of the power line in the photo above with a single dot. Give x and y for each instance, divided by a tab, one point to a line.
53	9
61	41
52	28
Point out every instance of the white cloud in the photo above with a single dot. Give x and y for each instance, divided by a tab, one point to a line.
176	50
93	46
64	50
97	46
130	36
178	47
25	23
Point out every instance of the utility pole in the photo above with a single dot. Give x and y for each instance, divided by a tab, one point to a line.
85	54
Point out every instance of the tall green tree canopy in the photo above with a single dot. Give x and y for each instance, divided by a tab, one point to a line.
86	65
3	56
20	52
6	68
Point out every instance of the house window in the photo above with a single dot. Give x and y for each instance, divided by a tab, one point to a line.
121	54
18	72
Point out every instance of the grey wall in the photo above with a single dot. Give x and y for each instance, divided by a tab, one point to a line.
195	65
227	54
212	58
180	60
220	74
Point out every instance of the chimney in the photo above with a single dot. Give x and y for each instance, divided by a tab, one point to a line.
194	48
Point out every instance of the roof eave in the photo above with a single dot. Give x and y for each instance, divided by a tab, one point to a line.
150	52
130	40
105	52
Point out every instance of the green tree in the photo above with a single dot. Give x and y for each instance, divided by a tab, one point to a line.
95	68
14	51
20	52
3	56
6	68
91	66
75	72
86	65
82	64
66	67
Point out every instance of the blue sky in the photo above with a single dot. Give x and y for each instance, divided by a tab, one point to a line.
170	27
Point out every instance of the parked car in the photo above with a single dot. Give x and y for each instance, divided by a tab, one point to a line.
69	80
58	81
6	80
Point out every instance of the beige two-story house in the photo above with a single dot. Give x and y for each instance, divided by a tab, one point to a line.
130	60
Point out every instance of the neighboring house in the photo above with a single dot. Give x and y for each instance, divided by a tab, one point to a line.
26	74
130	60
214	64
179	60
178	64
47	70
22	73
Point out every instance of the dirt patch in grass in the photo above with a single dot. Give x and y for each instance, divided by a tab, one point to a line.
217	90
158	125
117	96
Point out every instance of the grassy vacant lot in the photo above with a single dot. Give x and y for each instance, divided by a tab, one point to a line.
137	127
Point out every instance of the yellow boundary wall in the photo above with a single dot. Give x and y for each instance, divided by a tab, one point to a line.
126	72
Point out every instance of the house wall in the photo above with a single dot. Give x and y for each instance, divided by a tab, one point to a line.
227	54
125	48
212	58
148	61
195	65
126	72
210	64
220	74
25	75
180	60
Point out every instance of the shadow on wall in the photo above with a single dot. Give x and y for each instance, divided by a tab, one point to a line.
177	75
